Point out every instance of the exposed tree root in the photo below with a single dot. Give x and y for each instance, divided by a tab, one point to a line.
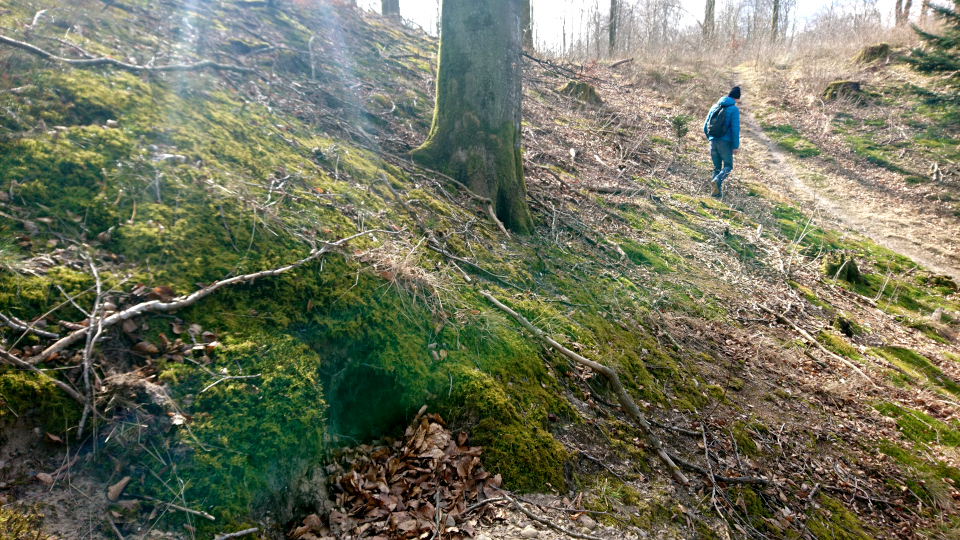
110	62
547	522
724	479
629	406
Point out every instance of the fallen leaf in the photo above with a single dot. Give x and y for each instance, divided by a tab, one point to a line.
50	437
163	294
129	326
45	479
145	347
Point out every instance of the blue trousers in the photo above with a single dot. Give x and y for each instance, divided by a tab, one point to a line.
722	154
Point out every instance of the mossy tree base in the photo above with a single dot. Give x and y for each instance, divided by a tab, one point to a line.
475	137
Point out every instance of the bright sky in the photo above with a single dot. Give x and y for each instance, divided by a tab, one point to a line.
548	14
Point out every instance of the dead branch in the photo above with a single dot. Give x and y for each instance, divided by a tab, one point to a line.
809	339
13	360
626	402
181	508
110	62
619	63
547	522
25	327
237	534
184	301
724	479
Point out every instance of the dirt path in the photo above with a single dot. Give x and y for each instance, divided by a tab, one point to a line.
904	227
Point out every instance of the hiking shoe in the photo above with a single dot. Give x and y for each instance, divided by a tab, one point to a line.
716	189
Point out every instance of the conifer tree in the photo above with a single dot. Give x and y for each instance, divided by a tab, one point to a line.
941	52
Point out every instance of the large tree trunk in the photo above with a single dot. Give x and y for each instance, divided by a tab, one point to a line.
708	19
390	7
924	10
775	23
475	136
526	24
614	23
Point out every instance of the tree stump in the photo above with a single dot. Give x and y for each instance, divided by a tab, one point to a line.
843	269
873	53
838	89
583	92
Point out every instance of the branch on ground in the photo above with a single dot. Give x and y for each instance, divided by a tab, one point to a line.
626	402
110	62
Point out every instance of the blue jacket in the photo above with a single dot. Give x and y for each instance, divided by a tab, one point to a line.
733	121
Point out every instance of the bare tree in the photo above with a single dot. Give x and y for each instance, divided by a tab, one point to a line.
708	19
901	12
526	24
775	21
475	137
924	10
390	7
614	24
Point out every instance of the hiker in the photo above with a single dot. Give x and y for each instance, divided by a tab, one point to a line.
722	128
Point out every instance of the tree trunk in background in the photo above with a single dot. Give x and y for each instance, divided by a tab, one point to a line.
390	7
614	23
708	18
475	136
924	10
775	22
526	24
901	12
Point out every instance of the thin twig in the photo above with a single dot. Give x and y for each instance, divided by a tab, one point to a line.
181	508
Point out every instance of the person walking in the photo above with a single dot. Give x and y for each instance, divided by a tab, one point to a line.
722	129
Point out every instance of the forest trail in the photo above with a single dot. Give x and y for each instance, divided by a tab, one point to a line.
899	225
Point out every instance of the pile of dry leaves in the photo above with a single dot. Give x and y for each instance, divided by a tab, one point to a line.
426	484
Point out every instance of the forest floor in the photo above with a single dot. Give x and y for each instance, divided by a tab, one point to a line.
830	407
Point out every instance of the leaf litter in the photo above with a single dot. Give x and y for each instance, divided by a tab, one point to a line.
428	483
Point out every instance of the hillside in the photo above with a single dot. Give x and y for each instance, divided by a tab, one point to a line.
342	289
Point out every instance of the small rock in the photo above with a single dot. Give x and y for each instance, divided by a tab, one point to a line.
112	123
587	523
530	532
45	479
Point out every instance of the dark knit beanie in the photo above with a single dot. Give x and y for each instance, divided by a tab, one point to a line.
735	93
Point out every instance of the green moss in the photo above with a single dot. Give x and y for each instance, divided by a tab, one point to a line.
924	478
837	344
869	148
810	296
744	438
790	139
920	427
833	520
240	427
18	522
32	396
647	254
911	361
